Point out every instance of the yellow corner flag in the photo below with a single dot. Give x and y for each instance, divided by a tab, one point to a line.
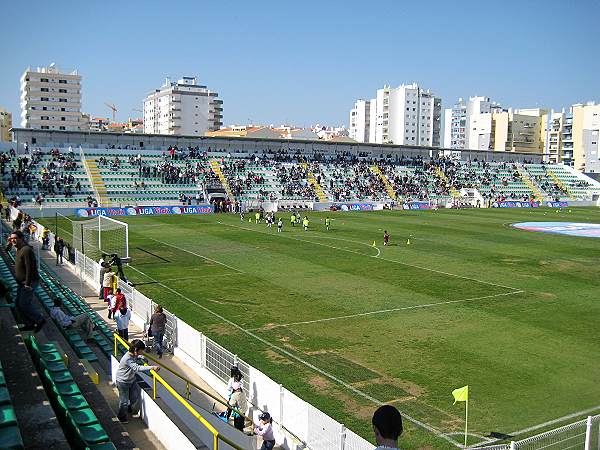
461	394
374	245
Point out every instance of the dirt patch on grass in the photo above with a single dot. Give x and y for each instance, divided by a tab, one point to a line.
546	295
319	382
276	357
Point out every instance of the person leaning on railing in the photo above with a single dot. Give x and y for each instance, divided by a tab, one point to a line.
129	390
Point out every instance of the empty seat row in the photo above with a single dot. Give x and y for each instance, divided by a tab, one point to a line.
10	435
79	422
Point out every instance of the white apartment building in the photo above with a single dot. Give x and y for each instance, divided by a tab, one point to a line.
586	137
360	117
455	126
406	115
51	99
182	108
468	125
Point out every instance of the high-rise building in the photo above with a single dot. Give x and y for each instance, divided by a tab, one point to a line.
555	134
406	115
517	130
586	137
5	125
51	99
360	123
468	125
455	126
183	108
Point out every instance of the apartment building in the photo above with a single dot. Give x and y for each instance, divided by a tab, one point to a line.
455	126
585	134
406	115
360	120
468	124
5	125
51	99
182	108
517	130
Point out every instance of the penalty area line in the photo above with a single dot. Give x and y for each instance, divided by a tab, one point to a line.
383	311
289	354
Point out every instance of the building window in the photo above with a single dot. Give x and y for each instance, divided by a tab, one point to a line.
63	91
63	119
62	81
44	99
45	118
44	89
62	100
45	127
43	80
61	128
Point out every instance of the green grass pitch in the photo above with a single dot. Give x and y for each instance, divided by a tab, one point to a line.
511	313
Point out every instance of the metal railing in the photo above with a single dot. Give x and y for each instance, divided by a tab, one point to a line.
157	379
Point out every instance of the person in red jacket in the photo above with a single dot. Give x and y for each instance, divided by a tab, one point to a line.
120	301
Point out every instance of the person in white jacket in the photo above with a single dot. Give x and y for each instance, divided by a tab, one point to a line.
122	316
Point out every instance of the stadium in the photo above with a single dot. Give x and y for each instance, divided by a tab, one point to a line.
269	256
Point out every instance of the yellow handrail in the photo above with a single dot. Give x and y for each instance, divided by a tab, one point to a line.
157	378
189	383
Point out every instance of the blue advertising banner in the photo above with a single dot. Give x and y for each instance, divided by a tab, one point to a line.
510	204
557	204
356	207
416	205
143	211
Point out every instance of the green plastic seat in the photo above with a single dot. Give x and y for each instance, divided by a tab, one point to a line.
7	416
66	388
89	434
74	402
83	417
4	396
2	379
10	438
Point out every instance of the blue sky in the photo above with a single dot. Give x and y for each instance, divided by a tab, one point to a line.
306	62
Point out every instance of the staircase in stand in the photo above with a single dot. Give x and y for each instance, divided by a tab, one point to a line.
384	179
442	176
537	193
560	183
98	186
315	184
216	168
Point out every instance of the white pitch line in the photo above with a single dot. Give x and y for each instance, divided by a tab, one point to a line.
348	240
489	283
198	255
404	308
558	420
302	361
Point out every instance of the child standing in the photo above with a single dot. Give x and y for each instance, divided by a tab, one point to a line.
112	302
265	430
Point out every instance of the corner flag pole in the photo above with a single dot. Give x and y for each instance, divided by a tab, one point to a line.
466	420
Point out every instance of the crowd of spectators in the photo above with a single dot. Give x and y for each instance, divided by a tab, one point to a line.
49	176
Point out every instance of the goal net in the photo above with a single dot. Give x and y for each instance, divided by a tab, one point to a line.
101	235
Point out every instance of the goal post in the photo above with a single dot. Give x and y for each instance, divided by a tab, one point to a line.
101	235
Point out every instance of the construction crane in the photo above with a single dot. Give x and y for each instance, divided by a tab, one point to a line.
114	110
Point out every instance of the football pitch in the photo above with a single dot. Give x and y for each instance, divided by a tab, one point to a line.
345	322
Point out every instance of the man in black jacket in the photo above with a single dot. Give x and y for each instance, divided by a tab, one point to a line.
26	274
